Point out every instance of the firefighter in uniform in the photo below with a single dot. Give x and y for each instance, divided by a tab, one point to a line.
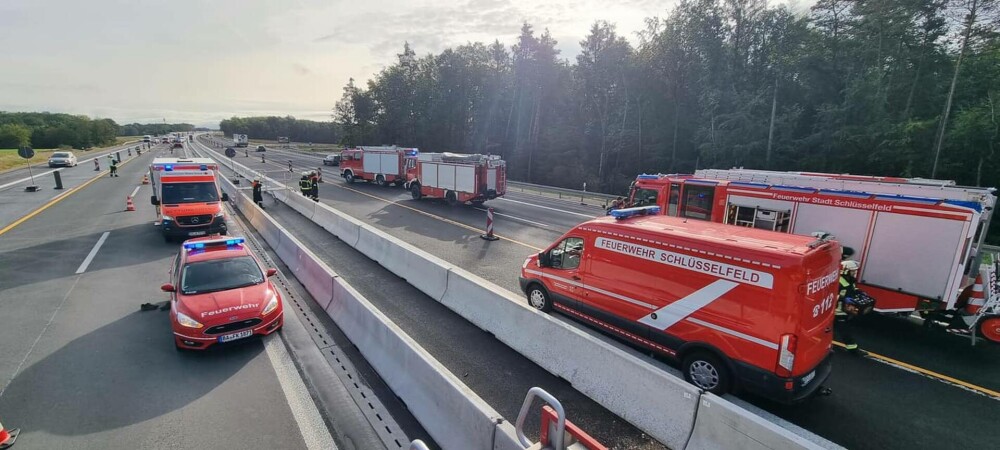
114	168
258	196
305	186
843	315
314	186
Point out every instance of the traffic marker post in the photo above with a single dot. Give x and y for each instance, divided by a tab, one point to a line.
58	177
7	437
489	236
129	206
97	165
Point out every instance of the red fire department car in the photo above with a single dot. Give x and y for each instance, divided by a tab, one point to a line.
456	177
381	165
220	293
737	307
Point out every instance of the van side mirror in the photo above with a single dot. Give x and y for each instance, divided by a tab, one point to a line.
225	197
544	260
153	200
167	288
272	272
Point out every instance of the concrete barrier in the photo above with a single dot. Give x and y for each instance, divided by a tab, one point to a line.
721	424
317	278
342	226
505	437
649	398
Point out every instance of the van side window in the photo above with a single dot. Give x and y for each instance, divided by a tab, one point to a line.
698	202
674	199
644	197
567	254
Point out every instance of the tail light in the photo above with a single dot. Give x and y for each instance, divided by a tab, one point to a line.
786	355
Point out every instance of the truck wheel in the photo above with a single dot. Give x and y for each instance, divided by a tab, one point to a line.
538	298
478	203
349	177
380	180
452	198
415	191
989	328
706	371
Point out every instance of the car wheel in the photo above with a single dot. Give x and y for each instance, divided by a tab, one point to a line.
538	298
349	177
707	372
380	180
415	191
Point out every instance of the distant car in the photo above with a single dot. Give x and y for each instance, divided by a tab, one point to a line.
220	293
260	148
331	160
65	159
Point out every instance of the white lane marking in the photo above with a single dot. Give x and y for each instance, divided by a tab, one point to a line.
516	218
304	410
39	337
589	216
134	191
93	253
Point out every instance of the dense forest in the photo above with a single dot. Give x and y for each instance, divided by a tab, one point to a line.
272	127
886	87
154	129
51	130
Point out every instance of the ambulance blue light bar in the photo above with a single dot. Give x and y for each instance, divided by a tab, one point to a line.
214	243
647	176
626	213
168	167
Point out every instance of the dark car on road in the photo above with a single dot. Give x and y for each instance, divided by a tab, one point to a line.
331	160
261	148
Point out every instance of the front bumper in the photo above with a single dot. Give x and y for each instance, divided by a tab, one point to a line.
172	229
196	340
769	385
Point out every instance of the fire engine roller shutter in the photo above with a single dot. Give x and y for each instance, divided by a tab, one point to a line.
446	176
491	179
429	174
465	179
371	163
914	253
389	163
762	203
850	226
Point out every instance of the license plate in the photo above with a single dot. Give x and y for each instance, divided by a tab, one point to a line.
235	336
196	233
806	379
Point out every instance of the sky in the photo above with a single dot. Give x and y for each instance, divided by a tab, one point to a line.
202	61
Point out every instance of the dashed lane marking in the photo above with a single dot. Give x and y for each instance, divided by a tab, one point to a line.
93	252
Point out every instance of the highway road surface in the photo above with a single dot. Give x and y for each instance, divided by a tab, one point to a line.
917	389
82	367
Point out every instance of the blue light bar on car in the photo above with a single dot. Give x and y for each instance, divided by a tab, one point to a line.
626	213
213	243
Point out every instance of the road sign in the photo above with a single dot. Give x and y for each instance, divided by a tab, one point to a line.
230	152
26	152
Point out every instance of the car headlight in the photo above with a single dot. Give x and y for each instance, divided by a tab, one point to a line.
272	304
187	321
221	213
167	218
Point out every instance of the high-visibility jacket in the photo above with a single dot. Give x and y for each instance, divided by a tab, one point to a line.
847	287
304	184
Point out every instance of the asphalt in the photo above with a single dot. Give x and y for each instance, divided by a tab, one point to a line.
874	403
81	367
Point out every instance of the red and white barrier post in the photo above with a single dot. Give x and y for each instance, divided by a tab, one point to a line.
7	437
489	226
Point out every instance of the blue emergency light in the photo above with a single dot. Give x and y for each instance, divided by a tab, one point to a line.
168	167
647	176
626	213
203	167
412	153
217	242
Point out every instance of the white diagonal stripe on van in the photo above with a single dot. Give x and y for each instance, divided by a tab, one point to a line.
770	345
667	316
591	288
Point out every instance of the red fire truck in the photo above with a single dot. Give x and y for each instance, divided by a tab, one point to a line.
381	165
917	240
456	177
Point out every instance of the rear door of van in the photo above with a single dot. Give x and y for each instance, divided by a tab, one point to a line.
816	309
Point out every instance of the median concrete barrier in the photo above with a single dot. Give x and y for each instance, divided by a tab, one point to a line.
342	226
452	413
317	278
721	424
649	398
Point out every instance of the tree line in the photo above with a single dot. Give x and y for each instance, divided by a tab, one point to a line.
53	130
153	129
271	127
903	88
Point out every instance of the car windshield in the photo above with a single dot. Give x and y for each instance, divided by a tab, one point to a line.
190	193
60	155
220	275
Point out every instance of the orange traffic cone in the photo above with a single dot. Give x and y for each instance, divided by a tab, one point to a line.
7	437
976	299
129	206
145	179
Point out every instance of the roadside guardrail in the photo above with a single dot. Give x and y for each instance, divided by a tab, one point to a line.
584	197
667	408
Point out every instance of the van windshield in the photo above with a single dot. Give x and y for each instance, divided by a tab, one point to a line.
189	193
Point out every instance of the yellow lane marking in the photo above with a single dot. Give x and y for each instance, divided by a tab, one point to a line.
59	198
929	373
